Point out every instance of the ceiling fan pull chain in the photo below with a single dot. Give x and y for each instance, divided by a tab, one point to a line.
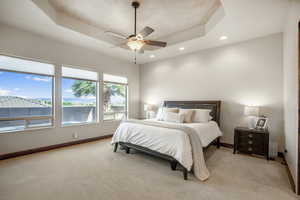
134	56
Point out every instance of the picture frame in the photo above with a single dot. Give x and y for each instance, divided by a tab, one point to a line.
261	123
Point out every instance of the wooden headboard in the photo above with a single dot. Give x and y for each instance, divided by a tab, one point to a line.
214	106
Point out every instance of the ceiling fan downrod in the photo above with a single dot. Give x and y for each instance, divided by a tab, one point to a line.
135	4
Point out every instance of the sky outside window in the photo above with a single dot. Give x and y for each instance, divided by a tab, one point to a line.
24	85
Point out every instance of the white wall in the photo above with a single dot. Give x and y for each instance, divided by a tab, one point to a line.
291	86
247	73
25	44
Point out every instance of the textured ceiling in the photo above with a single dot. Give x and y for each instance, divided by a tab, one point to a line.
167	17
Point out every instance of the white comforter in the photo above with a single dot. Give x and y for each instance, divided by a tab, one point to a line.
207	132
172	142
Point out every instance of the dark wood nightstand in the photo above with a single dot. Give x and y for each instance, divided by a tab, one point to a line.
251	141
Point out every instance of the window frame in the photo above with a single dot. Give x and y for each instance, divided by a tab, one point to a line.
28	119
56	109
97	120
126	95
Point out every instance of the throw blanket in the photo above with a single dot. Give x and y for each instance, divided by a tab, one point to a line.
199	167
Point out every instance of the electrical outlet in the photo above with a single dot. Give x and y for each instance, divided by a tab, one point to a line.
75	135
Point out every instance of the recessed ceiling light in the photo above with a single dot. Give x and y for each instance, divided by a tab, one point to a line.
223	37
181	48
152	56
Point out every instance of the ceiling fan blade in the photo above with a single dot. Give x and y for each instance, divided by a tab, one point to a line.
146	31
115	35
155	43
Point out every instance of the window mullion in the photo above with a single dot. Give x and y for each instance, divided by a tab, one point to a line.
57	98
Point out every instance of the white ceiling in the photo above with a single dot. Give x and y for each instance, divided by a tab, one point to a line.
243	20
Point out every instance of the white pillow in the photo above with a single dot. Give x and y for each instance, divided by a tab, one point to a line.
202	115
188	115
162	110
173	117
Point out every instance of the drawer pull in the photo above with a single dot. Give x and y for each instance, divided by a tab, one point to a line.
250	149
250	142
250	136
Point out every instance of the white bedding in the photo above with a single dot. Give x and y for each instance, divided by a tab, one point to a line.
207	132
168	141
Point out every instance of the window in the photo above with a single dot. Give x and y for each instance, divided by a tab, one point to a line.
114	97
26	94
79	96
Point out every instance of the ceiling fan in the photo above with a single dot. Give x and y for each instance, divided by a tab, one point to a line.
136	42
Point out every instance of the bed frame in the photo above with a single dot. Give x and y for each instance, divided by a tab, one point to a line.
214	106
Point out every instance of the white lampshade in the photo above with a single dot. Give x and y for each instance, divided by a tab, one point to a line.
149	107
251	110
145	107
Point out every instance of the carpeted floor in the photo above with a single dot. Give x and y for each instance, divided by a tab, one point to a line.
93	172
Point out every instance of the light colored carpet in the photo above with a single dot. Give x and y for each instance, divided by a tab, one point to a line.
93	172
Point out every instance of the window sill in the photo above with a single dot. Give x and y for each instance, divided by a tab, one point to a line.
112	120
80	124
25	130
51	127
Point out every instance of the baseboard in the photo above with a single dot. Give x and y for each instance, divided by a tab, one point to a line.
291	179
47	148
227	145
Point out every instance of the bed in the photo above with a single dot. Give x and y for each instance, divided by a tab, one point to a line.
180	144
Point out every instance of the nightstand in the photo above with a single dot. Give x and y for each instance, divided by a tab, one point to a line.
251	141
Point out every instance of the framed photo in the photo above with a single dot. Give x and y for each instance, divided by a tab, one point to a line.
261	123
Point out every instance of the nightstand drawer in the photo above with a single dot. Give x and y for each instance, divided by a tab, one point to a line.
251	138
249	148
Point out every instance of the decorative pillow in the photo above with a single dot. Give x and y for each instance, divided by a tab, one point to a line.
173	110
162	110
173	117
188	115
202	115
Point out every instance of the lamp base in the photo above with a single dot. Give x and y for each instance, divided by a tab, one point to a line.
251	122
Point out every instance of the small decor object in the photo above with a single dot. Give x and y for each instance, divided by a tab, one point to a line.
261	123
252	113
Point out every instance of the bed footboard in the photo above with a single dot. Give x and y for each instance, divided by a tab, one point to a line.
173	161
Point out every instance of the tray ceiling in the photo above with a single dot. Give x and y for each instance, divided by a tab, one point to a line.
239	20
174	21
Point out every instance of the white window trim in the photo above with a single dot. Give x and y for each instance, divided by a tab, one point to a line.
97	121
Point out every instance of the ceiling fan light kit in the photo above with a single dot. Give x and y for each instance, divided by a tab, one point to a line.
135	44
